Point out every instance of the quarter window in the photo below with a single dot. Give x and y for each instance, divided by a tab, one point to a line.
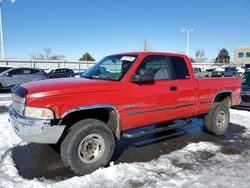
180	68
26	71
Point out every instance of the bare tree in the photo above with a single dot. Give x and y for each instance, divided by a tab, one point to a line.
200	56
47	55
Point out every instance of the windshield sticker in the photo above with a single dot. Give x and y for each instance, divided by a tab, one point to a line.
127	58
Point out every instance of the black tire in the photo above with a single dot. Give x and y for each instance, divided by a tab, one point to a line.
217	120
93	136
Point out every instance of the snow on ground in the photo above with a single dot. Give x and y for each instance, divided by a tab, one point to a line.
4	95
197	165
5	103
5	99
242	118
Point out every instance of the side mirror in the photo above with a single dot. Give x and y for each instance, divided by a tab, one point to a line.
8	74
143	75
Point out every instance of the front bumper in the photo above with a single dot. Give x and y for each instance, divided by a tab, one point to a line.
35	130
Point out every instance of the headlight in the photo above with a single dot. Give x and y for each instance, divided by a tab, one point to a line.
40	113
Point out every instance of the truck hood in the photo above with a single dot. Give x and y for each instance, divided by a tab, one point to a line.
65	86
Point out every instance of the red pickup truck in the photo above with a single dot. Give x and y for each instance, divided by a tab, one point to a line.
85	116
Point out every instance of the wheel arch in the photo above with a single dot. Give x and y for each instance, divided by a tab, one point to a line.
105	112
224	96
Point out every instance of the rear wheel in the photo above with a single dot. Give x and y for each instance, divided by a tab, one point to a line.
217	120
88	146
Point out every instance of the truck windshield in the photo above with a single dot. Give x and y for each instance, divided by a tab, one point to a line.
111	67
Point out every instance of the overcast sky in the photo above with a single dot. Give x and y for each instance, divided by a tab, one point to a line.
104	27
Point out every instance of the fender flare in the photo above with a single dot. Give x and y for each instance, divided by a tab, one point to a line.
98	106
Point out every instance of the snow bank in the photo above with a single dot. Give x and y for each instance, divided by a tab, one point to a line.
5	103
242	118
196	165
5	95
5	99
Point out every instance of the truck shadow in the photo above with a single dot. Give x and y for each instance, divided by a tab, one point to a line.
41	161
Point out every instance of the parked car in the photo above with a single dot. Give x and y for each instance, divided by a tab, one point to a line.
77	74
60	73
16	76
85	116
245	91
240	71
210	70
201	74
4	68
225	72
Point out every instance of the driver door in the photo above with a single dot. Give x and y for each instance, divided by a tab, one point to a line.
147	103
12	77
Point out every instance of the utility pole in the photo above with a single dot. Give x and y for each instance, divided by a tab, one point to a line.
145	45
188	35
1	28
1	31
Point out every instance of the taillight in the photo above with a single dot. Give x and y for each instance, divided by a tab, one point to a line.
45	75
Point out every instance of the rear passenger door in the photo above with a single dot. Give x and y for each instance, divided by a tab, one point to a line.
186	88
26	75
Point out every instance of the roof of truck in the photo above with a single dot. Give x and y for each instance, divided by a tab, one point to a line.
152	53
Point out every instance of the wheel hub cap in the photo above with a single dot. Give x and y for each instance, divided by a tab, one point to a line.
221	119
91	148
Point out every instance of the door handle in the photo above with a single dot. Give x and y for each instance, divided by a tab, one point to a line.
173	88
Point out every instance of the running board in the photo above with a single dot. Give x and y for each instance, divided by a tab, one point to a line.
156	130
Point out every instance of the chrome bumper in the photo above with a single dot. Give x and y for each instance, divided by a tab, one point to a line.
35	130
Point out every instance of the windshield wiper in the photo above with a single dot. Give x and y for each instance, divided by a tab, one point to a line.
92	77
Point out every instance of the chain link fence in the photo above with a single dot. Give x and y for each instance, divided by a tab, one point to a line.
77	66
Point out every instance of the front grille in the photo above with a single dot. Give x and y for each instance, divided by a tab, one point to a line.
18	103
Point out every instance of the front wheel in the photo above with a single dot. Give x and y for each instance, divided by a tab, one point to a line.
217	120
88	146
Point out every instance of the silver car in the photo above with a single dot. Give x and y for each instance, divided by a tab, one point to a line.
15	76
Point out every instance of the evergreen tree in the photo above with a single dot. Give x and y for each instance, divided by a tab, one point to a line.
223	56
86	57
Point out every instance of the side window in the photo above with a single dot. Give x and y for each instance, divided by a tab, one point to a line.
15	72
26	71
180	68
160	66
58	70
33	71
